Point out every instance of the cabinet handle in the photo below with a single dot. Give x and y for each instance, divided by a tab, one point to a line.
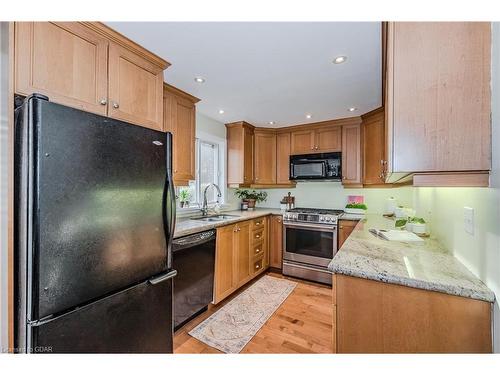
116	105
103	102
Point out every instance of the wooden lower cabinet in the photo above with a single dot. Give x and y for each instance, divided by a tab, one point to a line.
241	254
276	242
345	229
376	317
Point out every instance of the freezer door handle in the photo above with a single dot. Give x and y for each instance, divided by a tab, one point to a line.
163	277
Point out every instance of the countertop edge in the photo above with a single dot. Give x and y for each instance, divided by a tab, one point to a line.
248	215
417	284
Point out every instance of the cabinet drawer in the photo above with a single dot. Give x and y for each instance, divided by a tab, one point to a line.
259	223
257	265
258	235
258	249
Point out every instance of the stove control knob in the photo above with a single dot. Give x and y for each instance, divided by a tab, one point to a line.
328	219
321	218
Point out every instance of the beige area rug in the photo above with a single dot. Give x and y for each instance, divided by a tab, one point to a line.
233	326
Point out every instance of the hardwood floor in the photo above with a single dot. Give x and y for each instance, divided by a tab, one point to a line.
302	324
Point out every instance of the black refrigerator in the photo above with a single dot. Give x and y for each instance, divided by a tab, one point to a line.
95	216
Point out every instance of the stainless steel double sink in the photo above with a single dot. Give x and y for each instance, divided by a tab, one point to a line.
212	218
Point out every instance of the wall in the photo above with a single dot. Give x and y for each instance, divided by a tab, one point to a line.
4	160
443	207
207	125
334	195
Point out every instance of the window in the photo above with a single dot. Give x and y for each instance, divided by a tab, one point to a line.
209	160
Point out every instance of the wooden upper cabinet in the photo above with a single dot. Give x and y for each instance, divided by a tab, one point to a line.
240	153
283	158
373	146
63	60
91	67
179	112
135	88
351	154
302	141
438	96
316	138
328	139
265	157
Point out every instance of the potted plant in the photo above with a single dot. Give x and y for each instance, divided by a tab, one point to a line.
355	208
184	196
412	224
251	197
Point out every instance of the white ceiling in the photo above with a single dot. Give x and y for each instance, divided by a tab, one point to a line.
261	72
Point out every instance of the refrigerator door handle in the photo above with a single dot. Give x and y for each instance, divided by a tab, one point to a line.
169	202
163	277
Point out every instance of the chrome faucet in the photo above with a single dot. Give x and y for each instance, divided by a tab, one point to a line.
204	207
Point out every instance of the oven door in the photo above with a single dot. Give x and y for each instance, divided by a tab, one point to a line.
308	169
309	243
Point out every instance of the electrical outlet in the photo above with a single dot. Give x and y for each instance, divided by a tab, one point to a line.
469	220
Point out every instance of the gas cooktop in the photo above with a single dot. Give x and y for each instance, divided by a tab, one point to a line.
318	211
312	215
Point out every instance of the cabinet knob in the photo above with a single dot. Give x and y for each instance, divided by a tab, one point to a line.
103	102
116	105
257	250
257	235
257	266
341	227
343	177
175	170
279	220
317	148
312	148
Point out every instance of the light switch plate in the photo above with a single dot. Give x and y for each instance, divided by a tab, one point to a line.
469	220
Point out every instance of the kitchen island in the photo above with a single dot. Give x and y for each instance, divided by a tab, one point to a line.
406	297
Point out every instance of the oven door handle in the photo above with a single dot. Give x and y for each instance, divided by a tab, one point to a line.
324	228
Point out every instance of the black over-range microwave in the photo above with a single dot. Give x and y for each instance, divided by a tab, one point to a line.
327	166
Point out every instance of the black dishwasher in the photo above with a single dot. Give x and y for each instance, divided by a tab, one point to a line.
194	260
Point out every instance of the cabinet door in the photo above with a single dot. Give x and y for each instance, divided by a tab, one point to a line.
225	262
242	248
248	155
265	158
373	149
328	139
345	229
63	60
276	241
180	120
302	142
351	154
135	89
440	102
283	158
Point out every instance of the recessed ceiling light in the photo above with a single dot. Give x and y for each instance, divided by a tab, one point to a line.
308	116
352	109
199	79
271	122
339	59
221	111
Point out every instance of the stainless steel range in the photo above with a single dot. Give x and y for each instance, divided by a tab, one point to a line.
310	242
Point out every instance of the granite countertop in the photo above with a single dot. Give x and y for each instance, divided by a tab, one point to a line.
185	226
424	265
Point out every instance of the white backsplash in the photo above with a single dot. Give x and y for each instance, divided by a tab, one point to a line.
331	195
